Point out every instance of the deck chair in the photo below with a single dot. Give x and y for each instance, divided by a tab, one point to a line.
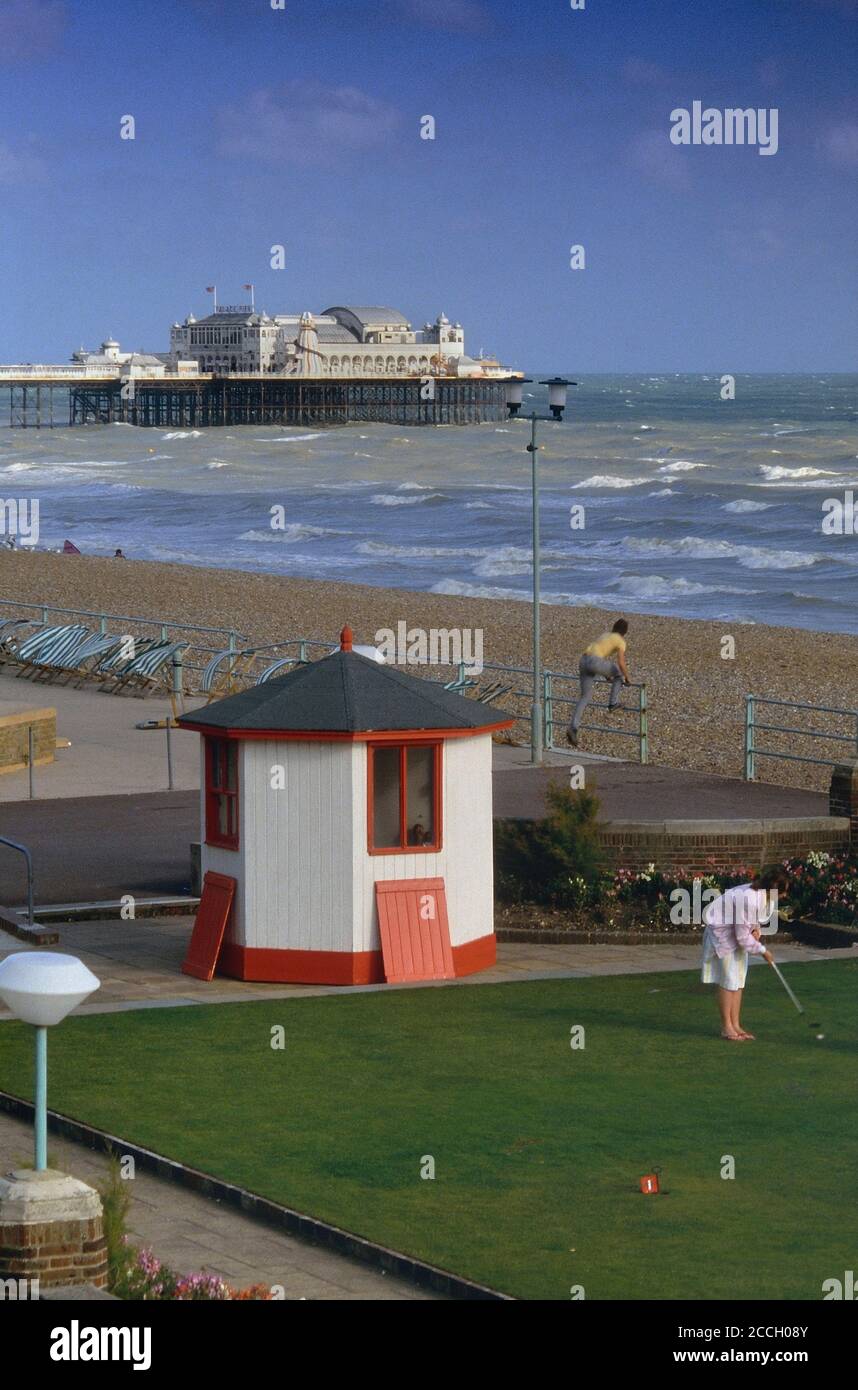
12	634
278	666
218	680
150	671
43	648
80	662
495	691
459	686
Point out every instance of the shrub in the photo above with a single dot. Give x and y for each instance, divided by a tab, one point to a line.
557	860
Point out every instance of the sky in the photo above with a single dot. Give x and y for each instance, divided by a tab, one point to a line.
257	127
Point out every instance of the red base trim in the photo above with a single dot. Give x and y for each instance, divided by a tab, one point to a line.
335	967
475	955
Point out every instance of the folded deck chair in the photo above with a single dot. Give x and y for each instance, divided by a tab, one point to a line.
44	648
218	679
278	666
150	669
116	662
458	686
79	662
12	635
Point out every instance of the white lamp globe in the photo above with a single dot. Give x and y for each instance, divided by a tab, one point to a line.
41	987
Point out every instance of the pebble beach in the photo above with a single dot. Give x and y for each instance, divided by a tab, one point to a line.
695	696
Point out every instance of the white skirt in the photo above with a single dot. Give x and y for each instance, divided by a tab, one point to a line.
727	971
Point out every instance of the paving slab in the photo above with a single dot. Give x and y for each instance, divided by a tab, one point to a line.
192	1233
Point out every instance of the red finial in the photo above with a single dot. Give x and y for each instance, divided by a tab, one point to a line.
346	639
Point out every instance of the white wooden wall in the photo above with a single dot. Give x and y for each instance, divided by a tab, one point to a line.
305	880
465	859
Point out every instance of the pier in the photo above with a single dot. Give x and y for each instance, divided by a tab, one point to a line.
49	398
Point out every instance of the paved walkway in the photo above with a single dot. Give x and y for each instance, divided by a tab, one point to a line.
191	1233
139	965
97	848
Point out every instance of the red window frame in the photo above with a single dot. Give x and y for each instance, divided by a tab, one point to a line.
404	847
216	790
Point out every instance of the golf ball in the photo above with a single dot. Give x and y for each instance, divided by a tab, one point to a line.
820	1036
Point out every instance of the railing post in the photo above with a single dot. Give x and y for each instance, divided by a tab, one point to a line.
749	738
643	725
178	674
302	652
547	698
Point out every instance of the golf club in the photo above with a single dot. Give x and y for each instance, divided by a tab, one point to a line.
787	988
793	998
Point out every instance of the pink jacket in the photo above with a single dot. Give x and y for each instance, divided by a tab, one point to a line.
732	917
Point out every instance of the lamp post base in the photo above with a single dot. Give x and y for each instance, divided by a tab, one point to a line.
51	1231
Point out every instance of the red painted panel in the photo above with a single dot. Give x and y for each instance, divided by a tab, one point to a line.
209	926
415	932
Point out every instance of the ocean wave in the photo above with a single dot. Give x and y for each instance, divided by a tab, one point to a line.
773	471
743	504
657	586
393	499
455	588
682	466
183	434
288	438
610	480
296	531
383	550
218	463
663	492
700	548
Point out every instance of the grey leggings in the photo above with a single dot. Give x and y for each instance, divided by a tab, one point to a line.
589	669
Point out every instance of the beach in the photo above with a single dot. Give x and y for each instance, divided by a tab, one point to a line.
695	696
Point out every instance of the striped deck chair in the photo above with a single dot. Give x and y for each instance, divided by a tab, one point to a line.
78	663
458	687
45	648
12	634
118	661
150	669
217	681
495	691
278	666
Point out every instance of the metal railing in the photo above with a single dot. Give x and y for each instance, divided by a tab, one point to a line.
639	712
753	727
22	849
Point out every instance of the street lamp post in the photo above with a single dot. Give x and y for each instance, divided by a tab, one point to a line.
557	388
41	987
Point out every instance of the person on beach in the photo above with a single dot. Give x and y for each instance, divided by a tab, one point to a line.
606	657
732	930
117	554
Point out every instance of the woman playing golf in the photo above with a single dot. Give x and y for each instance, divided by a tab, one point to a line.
732	932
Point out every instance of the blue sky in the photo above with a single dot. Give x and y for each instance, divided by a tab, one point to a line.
301	127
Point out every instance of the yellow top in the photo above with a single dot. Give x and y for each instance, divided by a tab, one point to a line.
606	646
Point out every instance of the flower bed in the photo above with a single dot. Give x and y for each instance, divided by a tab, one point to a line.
823	888
142	1276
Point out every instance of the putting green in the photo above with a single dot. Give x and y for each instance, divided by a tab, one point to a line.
538	1147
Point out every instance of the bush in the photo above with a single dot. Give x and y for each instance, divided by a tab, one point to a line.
556	861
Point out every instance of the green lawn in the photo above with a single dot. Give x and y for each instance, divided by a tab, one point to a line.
538	1148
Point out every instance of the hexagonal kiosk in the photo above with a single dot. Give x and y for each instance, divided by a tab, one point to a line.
347	807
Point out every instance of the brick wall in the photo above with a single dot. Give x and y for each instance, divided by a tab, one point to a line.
702	845
13	737
54	1252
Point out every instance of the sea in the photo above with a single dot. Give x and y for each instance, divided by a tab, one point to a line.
655	496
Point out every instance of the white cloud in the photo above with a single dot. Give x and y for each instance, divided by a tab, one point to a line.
302	122
457	16
18	166
30	28
840	144
653	155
